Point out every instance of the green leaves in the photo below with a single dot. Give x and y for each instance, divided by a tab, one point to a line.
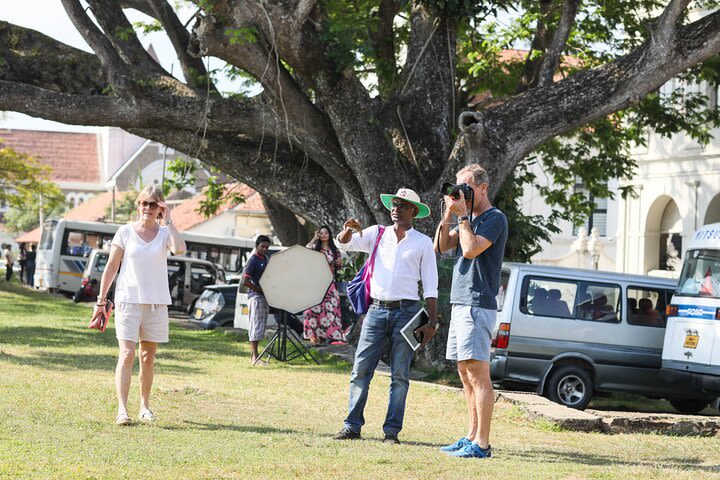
218	194
22	180
241	36
23	177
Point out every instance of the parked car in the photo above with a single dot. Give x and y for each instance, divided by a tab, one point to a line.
215	307
187	278
570	333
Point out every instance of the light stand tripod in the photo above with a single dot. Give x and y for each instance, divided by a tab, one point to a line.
277	348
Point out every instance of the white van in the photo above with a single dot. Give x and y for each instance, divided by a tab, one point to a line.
569	333
691	352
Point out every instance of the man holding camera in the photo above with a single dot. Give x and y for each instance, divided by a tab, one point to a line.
480	236
404	257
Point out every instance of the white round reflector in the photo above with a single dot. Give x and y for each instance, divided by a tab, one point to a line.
296	279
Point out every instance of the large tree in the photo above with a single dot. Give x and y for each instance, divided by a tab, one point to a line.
358	97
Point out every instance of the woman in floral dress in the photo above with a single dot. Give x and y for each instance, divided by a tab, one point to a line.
323	321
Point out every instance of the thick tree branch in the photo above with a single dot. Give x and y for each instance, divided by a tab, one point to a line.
102	47
551	61
427	97
383	43
273	169
344	98
180	38
539	42
121	34
668	21
244	118
308	127
541	114
26	59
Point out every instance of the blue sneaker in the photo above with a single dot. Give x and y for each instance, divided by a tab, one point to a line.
456	446
473	450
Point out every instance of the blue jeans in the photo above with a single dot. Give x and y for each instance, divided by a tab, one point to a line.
381	325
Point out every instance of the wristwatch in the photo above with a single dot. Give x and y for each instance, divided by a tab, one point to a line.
463	218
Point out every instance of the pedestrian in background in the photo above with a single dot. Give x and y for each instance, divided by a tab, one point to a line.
323	322
30	265
9	260
22	260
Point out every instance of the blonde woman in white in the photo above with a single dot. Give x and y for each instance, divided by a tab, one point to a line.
139	250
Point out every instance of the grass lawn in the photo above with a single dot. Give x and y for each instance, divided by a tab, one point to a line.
220	418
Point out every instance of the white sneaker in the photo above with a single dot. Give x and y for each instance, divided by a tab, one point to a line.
146	416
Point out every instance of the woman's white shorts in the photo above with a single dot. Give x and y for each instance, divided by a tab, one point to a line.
142	322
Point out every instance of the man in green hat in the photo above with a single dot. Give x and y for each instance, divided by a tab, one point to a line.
404	258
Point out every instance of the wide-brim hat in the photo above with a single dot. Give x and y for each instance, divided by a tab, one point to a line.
409	196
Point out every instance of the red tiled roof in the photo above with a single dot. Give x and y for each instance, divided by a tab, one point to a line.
33	236
93	209
186	216
72	156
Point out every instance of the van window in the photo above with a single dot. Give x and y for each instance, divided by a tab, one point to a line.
700	276
599	302
504	279
646	306
202	275
551	297
548	297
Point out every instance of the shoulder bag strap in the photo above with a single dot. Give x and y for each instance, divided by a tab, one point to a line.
371	260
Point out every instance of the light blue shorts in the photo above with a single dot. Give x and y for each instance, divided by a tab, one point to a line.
470	333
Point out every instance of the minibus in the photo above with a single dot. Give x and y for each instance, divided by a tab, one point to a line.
691	351
65	246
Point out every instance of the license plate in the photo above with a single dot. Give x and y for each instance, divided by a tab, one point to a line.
198	313
691	341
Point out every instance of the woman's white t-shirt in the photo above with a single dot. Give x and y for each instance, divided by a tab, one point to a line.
143	276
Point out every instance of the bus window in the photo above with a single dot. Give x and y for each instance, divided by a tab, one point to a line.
48	235
79	244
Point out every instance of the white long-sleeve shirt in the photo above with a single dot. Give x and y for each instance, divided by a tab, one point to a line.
399	266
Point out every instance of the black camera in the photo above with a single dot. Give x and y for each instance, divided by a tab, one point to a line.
454	190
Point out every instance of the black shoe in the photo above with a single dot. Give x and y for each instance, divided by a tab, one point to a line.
346	434
391	438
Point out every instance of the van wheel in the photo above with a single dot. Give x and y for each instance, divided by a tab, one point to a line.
688	405
571	386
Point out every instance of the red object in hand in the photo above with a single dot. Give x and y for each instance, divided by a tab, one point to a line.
101	317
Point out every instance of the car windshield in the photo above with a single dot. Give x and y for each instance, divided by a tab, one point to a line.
700	275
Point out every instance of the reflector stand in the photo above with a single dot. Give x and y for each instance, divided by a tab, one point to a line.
277	348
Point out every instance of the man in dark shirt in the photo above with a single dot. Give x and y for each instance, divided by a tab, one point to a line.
480	237
258	309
